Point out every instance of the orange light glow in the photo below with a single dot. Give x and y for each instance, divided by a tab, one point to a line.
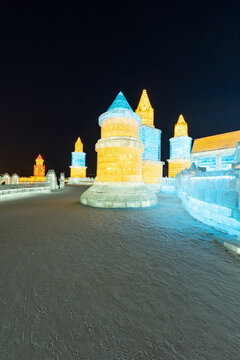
181	127
145	110
39	168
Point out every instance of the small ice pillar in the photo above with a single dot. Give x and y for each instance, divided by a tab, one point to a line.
78	168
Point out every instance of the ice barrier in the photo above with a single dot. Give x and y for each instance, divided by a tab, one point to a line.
18	190
210	197
10	193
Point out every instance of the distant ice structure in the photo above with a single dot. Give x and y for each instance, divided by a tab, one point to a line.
78	166
39	167
51	179
38	172
6	179
62	180
15	179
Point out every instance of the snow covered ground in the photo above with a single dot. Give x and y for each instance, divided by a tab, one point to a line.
85	283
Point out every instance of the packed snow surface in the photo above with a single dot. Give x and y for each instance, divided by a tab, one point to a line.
84	283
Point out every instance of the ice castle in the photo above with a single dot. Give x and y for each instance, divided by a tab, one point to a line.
119	161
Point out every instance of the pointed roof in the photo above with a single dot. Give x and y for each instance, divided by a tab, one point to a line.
39	157
145	109
78	145
79	140
181	120
119	108
181	127
144	102
120	102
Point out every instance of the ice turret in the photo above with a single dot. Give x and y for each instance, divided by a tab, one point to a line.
119	161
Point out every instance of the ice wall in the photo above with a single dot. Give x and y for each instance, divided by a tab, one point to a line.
212	197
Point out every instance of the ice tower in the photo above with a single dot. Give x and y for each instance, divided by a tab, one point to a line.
180	148
78	168
151	138
119	161
39	168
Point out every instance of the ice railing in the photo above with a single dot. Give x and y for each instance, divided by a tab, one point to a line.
166	181
214	187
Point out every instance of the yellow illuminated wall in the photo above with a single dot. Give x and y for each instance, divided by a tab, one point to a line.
32	179
119	126
119	164
119	151
145	110
176	166
151	171
78	172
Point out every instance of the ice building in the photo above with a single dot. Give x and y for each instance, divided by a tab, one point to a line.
180	148
151	137
119	161
39	168
38	172
215	152
78	168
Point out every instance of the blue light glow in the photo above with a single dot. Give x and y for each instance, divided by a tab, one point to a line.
180	147
78	159
151	138
119	108
208	162
226	161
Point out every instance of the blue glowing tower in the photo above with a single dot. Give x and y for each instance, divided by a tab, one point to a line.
151	138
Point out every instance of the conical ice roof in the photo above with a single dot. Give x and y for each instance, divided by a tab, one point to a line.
120	102
119	108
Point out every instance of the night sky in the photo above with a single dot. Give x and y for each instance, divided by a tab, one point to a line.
63	64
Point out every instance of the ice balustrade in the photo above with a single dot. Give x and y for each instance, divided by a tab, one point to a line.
212	197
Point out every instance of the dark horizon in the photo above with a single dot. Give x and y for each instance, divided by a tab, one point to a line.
62	66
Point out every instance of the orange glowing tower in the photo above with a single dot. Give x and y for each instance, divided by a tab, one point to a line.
39	168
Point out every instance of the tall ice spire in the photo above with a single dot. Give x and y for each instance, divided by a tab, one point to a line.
78	145
181	127
145	110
